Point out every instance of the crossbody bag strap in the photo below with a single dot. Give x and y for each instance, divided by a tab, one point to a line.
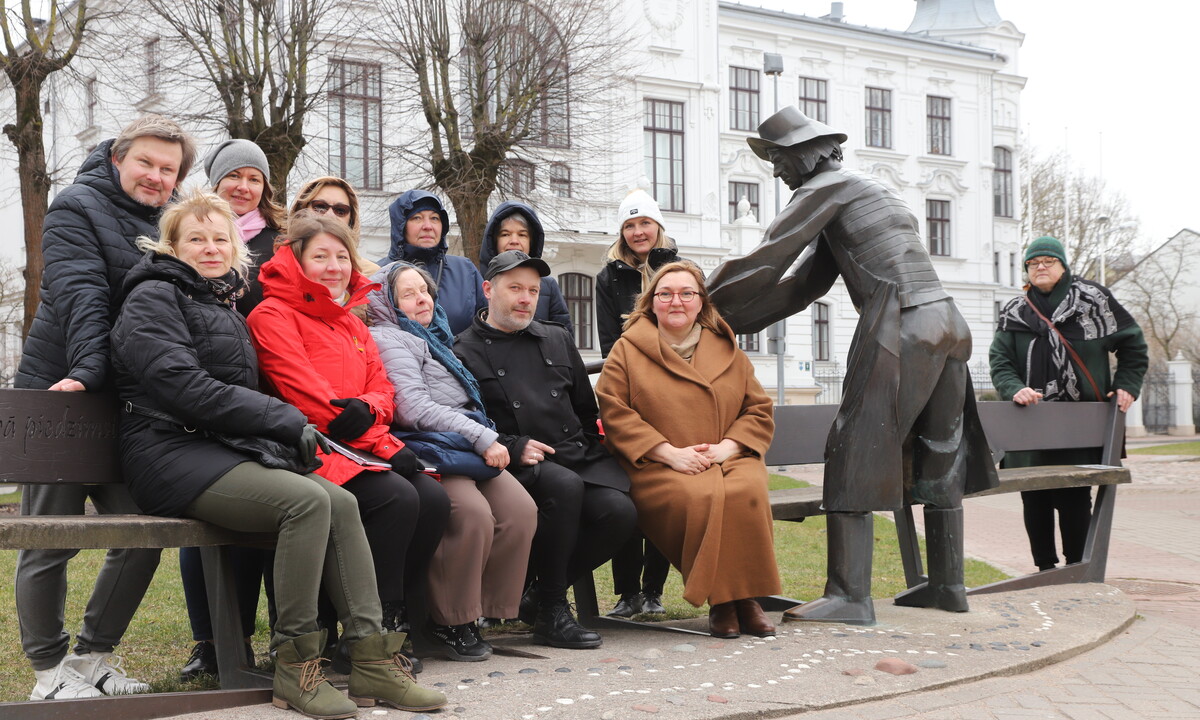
1070	350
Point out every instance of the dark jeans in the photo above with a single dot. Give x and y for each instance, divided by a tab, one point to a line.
637	558
581	522
250	566
1074	506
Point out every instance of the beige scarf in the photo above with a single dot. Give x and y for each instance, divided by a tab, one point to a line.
687	348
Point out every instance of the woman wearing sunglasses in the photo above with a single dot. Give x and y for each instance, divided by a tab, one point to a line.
334	197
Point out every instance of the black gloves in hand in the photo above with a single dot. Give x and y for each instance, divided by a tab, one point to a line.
354	420
310	440
406	463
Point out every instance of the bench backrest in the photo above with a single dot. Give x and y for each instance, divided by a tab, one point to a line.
58	437
801	430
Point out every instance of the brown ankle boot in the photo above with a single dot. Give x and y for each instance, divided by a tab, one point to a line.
723	620
752	619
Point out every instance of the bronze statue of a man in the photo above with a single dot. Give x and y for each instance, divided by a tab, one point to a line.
907	430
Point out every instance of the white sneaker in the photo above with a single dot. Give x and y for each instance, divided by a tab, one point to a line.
103	671
61	683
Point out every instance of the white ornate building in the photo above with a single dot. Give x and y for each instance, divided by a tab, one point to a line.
932	112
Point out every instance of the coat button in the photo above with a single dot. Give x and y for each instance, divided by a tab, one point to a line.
578	443
566	429
516	403
553	393
500	372
548	361
487	342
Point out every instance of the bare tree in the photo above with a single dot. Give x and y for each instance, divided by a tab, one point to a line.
1161	292
505	88
256	55
1098	219
35	49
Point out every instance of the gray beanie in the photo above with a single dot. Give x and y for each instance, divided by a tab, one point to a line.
233	154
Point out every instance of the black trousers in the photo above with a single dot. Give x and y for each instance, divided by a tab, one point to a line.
582	521
251	570
637	558
1074	506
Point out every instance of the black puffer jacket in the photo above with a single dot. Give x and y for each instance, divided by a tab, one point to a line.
261	247
178	350
618	285
88	244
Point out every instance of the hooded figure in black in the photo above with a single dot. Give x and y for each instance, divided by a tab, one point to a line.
515	226
419	228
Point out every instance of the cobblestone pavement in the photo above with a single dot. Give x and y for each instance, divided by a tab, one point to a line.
1151	670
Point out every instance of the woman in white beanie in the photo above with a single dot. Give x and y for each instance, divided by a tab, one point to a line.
642	248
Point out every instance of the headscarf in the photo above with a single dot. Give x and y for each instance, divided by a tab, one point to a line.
437	336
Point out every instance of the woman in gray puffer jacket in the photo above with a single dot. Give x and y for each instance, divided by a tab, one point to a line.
478	569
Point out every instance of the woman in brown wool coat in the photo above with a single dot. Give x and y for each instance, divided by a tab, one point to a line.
690	423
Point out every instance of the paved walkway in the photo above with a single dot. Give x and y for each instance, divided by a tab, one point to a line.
1075	652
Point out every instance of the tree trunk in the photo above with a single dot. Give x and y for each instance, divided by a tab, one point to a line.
26	135
471	213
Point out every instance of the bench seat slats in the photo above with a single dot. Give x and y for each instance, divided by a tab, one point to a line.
52	532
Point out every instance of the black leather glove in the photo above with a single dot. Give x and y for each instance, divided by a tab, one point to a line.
354	420
310	440
406	463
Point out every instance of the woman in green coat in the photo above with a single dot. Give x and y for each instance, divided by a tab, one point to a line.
1053	344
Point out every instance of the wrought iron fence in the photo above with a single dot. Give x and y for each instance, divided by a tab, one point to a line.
1157	410
831	378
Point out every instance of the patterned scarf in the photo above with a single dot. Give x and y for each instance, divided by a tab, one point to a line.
439	339
227	288
1088	311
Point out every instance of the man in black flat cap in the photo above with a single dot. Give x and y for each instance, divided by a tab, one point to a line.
907	430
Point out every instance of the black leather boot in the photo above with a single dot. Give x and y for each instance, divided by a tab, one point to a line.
557	627
203	661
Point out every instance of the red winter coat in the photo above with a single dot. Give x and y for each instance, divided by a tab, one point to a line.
312	350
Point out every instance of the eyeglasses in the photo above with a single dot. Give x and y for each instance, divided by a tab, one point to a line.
1043	262
684	296
322	207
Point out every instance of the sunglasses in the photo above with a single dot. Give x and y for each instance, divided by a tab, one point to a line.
322	207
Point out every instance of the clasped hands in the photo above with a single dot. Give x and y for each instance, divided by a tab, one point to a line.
693	459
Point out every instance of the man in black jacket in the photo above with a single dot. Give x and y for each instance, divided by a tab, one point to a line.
536	389
88	245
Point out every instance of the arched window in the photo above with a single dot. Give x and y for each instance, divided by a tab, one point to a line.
577	291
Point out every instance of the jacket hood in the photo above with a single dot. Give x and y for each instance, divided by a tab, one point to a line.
99	173
282	277
537	236
381	301
156	266
399	212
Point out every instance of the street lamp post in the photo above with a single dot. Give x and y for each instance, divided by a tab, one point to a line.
776	343
1106	230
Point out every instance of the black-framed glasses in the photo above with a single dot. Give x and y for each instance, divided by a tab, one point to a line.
684	295
322	207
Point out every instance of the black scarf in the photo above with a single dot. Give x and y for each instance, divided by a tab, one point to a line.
227	288
1086	311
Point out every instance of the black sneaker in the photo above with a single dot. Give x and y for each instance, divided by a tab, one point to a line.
459	642
202	661
479	636
652	603
629	605
557	627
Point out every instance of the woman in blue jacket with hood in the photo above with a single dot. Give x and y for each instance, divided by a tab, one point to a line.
419	227
515	226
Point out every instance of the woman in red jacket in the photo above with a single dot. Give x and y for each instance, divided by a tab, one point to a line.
315	354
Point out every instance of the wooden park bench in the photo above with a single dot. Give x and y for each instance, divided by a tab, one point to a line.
71	438
801	431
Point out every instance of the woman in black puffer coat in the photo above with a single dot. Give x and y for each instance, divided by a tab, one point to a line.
198	440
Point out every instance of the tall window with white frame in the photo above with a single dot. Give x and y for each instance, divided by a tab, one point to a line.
814	98
90	98
743	98
938	121
356	123
739	190
662	131
879	118
577	292
153	65
1002	182
937	223
820	332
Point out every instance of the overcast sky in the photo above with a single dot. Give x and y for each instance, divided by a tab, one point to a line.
1111	80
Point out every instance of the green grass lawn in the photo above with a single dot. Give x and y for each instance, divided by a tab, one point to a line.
1187	448
159	639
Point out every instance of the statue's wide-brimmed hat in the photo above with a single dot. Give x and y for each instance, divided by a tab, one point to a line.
789	127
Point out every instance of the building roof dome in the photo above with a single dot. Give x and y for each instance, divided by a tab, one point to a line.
933	16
